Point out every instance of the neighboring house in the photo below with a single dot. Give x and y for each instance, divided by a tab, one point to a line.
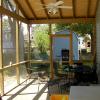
84	45
88	46
81	44
60	44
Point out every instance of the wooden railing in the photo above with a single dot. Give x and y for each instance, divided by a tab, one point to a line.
13	65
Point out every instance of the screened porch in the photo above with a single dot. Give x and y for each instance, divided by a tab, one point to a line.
25	72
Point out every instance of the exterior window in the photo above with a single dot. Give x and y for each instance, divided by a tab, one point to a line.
88	44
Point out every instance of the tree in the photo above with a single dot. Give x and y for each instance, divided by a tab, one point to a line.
79	28
41	37
11	22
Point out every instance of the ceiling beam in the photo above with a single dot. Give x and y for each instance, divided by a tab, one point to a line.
66	20
88	8
12	14
28	3
46	12
74	7
20	7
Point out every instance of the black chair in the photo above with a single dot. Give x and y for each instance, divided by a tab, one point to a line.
86	74
58	86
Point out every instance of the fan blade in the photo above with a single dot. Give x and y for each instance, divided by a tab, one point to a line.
58	3
66	7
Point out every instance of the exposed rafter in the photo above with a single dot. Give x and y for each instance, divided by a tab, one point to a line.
12	14
65	20
60	12
21	9
46	12
96	6
27	1
73	4
88	8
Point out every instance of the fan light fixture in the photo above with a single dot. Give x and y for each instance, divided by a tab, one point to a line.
53	7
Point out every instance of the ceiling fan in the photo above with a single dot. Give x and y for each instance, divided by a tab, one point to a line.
54	7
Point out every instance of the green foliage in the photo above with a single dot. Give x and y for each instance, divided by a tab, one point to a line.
41	37
79	28
82	29
59	27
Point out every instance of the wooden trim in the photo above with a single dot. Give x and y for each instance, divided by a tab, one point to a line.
1	59
21	9
40	61
12	14
46	12
66	20
74	7
51	52
60	35
13	65
63	62
27	1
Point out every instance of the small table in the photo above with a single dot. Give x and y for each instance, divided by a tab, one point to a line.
84	93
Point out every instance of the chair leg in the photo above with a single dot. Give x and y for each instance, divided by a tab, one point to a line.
28	77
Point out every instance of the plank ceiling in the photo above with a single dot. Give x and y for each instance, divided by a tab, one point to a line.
32	10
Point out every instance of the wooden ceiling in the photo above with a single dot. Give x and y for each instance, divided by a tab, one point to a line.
32	10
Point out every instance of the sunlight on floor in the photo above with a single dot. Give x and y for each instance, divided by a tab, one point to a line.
30	90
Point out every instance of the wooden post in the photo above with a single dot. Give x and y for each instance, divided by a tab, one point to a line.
71	48
50	28
94	43
29	46
0	2
17	49
51	60
1	57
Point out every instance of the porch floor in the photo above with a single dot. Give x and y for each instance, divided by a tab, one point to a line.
32	89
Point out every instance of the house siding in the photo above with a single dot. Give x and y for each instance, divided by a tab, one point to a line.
98	40
63	43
